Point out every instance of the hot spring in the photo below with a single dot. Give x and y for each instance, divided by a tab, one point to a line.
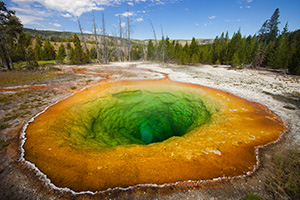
120	134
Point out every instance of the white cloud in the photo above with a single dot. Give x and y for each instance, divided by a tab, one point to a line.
248	7
78	7
196	24
29	20
75	7
249	1
29	11
88	32
212	17
123	24
29	15
56	25
233	20
66	15
37	12
139	19
125	14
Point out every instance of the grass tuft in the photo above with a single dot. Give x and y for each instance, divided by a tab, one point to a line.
251	196
285	181
3	126
5	99
289	107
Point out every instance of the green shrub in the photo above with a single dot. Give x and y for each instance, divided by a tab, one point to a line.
251	196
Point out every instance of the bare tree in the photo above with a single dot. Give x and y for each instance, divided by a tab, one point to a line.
121	39
95	33
128	34
162	44
156	46
82	36
104	40
116	49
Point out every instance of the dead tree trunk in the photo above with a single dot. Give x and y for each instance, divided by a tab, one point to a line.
162	44
10	61
83	40
6	60
5	52
121	40
95	33
116	49
128	34
104	40
156	46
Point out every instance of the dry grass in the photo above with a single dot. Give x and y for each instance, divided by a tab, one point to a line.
285	181
30	77
11	78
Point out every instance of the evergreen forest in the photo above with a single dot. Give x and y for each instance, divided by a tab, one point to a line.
269	48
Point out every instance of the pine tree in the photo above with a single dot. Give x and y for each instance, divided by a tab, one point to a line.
233	45
185	57
48	51
294	58
252	50
235	60
270	58
195	58
269	30
150	50
273	25
31	58
10	28
61	54
222	59
242	50
193	47
77	55
21	48
93	53
282	52
167	49
38	51
170	50
205	53
136	52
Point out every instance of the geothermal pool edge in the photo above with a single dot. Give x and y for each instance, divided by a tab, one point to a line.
43	177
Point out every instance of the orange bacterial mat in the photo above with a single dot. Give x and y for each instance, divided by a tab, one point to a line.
124	133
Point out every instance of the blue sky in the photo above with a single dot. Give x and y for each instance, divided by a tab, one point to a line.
180	19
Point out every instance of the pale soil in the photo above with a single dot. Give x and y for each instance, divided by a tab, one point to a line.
279	92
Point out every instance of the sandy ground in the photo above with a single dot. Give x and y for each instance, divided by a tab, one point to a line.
279	92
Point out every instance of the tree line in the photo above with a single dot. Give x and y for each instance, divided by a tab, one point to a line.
17	46
270	47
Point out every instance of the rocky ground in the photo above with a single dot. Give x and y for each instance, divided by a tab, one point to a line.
20	101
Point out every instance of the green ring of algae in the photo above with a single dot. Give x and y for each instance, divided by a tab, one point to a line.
133	116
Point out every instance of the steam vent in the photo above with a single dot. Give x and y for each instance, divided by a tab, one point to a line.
120	134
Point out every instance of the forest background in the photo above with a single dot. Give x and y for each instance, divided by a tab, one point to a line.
28	49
